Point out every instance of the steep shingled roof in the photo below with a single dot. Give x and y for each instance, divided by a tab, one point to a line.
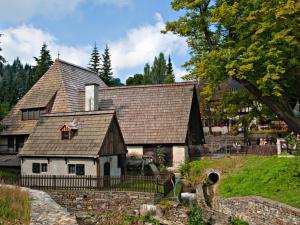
61	82
46	137
151	114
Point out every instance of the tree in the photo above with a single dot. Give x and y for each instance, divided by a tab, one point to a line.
43	63
94	63
116	82
147	74
2	60
159	69
105	69
255	43
137	79
170	77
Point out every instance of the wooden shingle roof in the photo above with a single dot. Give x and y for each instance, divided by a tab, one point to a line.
46	138
151	114
60	84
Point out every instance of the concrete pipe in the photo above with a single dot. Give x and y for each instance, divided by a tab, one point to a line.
213	178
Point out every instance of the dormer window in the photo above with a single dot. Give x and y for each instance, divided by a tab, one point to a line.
68	131
32	114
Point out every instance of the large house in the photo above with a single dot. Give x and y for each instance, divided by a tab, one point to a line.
165	115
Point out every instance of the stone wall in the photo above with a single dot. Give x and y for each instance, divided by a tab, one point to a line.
88	200
260	211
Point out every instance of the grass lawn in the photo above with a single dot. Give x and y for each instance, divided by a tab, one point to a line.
271	177
6	173
14	207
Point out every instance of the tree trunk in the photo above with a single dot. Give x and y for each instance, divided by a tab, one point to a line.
278	105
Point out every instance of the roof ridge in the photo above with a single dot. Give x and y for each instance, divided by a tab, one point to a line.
79	67
151	85
79	113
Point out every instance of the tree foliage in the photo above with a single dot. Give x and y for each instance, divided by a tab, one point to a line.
105	69
2	60
253	42
160	72
94	63
43	63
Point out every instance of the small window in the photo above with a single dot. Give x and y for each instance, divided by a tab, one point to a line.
25	115
30	115
44	167
71	168
36	168
74	133
65	135
80	169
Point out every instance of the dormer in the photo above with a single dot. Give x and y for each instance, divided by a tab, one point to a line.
69	130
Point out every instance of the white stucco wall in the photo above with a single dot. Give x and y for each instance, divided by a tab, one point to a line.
180	154
135	151
223	130
113	160
58	166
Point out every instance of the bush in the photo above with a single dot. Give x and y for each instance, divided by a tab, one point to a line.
195	215
237	221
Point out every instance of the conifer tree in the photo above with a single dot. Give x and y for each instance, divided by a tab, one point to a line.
147	74
2	60
159	69
43	63
105	69
94	63
170	78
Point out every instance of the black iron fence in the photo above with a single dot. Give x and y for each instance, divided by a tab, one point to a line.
162	184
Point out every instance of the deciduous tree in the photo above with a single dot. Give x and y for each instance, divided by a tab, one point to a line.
254	42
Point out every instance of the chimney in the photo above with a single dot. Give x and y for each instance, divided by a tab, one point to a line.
91	97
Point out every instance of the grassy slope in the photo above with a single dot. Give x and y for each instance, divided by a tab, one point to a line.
14	206
269	177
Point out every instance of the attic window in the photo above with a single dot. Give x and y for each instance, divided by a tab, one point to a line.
68	133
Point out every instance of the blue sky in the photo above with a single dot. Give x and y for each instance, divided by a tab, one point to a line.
131	28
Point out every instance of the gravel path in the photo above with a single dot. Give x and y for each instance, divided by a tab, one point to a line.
45	211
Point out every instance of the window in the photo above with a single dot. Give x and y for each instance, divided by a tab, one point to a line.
32	114
79	169
65	135
36	168
44	167
71	168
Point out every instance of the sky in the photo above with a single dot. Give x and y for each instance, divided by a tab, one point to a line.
130	28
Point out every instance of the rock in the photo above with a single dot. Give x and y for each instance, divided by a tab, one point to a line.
187	197
146	209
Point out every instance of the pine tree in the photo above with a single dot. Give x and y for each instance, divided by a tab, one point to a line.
170	78
43	63
105	69
94	63
147	74
159	69
2	60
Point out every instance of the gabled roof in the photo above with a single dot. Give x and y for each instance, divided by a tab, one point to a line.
60	84
46	137
151	114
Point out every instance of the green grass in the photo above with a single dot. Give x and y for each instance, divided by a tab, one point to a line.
270	177
14	207
7	173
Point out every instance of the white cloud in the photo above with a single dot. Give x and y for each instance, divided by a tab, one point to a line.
21	10
142	44
25	42
130	53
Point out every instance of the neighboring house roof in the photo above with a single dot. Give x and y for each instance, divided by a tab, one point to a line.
46	139
151	114
10	161
60	84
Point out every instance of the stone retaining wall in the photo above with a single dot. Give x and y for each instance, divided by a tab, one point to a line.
81	200
260	211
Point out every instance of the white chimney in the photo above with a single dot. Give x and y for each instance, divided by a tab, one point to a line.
91	97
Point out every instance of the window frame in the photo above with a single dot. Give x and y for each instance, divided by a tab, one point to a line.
44	167
80	173
36	168
73	166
